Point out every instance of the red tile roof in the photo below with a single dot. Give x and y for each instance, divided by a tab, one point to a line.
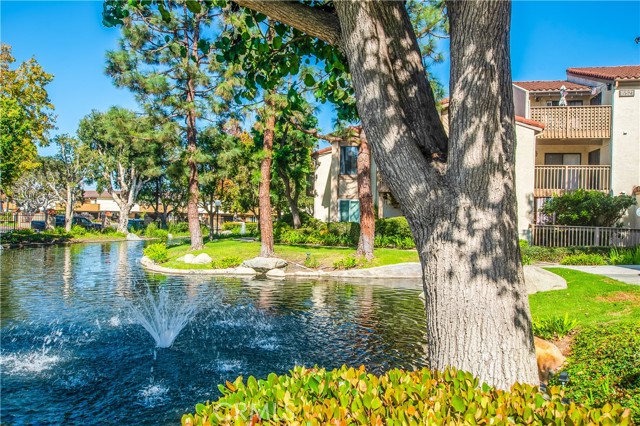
551	86
530	122
621	72
322	151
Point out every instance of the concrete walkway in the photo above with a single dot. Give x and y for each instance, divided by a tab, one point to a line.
629	274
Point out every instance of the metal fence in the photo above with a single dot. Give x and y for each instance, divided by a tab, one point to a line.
583	236
10	221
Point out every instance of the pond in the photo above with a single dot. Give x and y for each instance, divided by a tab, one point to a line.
88	336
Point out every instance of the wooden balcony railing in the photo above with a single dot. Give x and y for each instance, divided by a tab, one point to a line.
583	236
574	122
550	180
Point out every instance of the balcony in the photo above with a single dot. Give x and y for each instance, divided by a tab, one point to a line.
556	180
574	122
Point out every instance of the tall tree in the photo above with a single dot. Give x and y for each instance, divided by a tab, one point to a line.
26	115
457	192
122	147
365	197
217	170
292	161
65	173
165	59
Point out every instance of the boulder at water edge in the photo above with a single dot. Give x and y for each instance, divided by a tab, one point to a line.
276	274
264	264
187	258
132	237
202	259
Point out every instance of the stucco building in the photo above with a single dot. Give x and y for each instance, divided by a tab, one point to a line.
579	133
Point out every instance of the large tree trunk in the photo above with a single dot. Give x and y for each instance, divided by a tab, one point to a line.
367	214
462	211
123	220
68	209
264	194
457	194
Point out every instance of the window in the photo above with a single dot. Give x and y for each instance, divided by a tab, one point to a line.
574	103
553	103
562	159
348	160
349	210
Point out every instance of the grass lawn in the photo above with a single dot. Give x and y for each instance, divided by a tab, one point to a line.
591	299
292	253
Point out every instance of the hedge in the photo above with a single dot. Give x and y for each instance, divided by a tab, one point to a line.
349	396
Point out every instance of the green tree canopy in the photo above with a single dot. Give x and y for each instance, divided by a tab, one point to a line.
26	115
588	208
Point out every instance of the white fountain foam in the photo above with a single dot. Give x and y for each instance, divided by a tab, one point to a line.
153	394
161	316
30	362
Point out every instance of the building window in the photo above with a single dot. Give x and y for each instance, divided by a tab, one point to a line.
349	210
575	103
553	159
348	160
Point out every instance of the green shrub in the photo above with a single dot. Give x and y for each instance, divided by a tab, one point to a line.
583	259
78	231
588	208
604	367
311	262
349	396
624	256
226	262
178	228
554	328
157	252
152	231
27	236
251	228
349	262
394	227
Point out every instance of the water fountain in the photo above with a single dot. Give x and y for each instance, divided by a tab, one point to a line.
243	228
163	315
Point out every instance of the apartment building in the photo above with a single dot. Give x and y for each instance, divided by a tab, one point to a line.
579	133
591	136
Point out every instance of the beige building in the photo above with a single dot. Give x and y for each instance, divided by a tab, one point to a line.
336	188
591	136
578	133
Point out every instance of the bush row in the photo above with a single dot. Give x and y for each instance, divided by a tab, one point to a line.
579	255
28	236
349	396
392	233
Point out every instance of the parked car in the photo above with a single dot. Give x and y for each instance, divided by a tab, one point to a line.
135	224
40	225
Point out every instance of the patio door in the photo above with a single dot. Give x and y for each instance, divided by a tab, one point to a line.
567	177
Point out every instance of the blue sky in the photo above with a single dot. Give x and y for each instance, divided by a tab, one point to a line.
69	41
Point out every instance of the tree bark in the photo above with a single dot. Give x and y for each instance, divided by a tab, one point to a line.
123	220
457	194
68	209
264	193
292	199
367	214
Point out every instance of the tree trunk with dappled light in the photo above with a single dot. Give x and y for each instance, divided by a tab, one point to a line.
457	192
365	197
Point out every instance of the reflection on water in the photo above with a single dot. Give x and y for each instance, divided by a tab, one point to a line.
80	326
